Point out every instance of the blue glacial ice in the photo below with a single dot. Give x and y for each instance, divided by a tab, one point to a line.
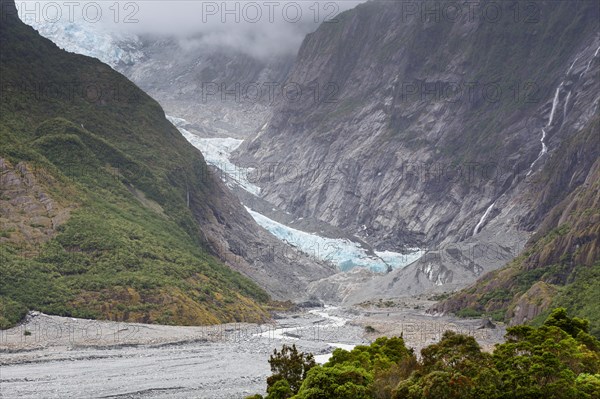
343	253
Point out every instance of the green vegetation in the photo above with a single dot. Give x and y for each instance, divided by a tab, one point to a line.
124	237
560	359
581	297
289	368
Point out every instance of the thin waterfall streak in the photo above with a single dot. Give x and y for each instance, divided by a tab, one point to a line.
482	220
566	105
554	104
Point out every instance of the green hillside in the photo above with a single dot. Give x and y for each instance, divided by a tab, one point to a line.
100	197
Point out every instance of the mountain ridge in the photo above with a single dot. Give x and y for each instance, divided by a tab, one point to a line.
132	225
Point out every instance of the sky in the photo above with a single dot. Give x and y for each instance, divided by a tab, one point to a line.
258	28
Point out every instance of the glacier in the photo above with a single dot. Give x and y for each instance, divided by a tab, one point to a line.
216	152
343	253
87	39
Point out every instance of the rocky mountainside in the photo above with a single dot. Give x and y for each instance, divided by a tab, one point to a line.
108	212
469	132
221	91
436	132
560	265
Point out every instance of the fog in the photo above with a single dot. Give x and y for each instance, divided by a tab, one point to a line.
258	28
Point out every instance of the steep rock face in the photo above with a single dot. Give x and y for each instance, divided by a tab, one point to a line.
427	129
560	263
29	214
220	91
380	160
533	302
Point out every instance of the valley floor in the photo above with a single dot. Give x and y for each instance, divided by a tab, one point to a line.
64	357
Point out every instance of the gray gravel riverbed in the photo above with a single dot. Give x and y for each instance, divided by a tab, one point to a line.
74	358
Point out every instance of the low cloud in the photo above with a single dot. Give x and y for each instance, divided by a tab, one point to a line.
257	28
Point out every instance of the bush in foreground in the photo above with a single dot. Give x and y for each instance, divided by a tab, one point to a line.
558	360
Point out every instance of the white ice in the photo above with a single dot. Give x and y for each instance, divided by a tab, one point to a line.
216	152
88	39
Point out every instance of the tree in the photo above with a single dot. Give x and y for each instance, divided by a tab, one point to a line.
551	361
279	390
351	374
559	360
291	366
340	381
573	326
455	367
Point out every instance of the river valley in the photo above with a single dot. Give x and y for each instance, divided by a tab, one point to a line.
66	357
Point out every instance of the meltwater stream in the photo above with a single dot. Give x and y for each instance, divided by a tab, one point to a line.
294	333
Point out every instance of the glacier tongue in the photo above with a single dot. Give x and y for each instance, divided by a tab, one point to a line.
344	253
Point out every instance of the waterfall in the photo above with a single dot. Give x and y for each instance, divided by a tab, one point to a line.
572	65
544	147
545	129
485	215
554	104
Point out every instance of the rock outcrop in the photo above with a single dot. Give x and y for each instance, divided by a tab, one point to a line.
434	132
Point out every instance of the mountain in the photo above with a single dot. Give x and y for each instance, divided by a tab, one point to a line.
219	90
471	137
443	133
108	212
560	265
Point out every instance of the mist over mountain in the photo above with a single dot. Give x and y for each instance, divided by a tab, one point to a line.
257	29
